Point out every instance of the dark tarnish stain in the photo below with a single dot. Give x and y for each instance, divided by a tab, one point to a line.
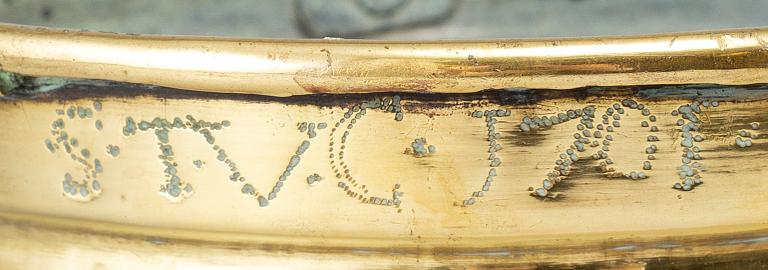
741	261
417	101
105	89
734	261
709	91
518	138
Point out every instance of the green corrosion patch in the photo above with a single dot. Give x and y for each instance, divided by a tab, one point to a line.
17	84
9	82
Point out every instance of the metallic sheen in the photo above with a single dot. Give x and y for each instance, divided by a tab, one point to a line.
293	67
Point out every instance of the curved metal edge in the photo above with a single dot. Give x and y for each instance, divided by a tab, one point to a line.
27	234
295	67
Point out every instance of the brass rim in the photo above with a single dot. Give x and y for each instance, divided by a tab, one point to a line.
293	67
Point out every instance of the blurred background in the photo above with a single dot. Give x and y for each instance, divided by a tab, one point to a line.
388	19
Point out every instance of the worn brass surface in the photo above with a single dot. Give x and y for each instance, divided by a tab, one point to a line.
596	219
289	67
368	193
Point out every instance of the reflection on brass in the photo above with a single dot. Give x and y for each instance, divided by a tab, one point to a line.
290	67
120	173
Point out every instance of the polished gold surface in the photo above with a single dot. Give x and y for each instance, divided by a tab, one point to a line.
291	67
116	175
